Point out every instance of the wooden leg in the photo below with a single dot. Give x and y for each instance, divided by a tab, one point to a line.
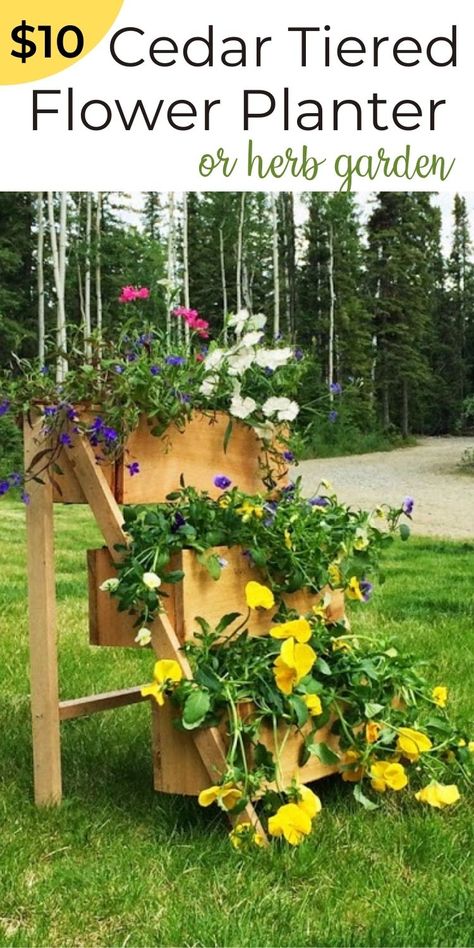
43	646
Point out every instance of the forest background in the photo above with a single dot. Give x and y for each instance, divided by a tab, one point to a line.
380	307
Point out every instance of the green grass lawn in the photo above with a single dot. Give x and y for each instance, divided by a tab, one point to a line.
117	864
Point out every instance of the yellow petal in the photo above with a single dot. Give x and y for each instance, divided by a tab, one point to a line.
258	596
298	629
438	795
308	802
291	822
167	670
229	797
395	777
313	703
412	743
305	658
153	691
206	797
353	590
372	731
285	676
440	696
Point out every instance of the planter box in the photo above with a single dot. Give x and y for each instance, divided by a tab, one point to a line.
197	594
195	454
177	767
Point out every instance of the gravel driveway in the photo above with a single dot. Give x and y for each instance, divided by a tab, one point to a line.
444	497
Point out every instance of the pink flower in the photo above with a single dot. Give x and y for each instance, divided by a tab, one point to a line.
131	293
195	323
128	294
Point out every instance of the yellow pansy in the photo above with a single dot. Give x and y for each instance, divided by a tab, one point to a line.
313	703
292	822
438	795
298	629
224	501
440	695
385	774
361	540
166	672
258	596
334	574
226	796
353	590
372	731
288	540
353	774
245	833
293	663
249	510
308	801
412	743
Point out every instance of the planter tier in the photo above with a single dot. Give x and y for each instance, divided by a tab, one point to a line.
195	454
197	595
177	766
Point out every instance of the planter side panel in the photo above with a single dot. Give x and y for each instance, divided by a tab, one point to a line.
196	454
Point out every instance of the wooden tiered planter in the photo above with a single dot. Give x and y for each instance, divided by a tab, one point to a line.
177	766
195	454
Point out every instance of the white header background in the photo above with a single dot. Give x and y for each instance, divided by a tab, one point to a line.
114	159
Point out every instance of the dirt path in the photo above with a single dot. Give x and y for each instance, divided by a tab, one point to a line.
444	497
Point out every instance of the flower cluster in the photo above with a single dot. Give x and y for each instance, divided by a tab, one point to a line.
310	685
290	541
165	376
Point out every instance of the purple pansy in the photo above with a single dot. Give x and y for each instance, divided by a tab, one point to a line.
298	354
44	370
50	411
15	479
25	498
119	369
65	439
319	502
4	487
175	360
133	468
179	521
97	424
366	589
110	434
332	416
408	505
155	370
288	456
222	481
335	388
4	406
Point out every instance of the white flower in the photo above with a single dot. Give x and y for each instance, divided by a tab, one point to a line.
143	637
151	580
251	338
258	321
209	385
214	359
265	431
273	358
238	321
242	407
283	408
240	361
109	585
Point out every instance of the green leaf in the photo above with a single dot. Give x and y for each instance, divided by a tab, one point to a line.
371	709
323	753
361	798
323	667
208	678
404	531
227	620
213	567
174	576
196	706
300	709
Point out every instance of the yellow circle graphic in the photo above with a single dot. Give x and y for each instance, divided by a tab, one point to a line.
50	35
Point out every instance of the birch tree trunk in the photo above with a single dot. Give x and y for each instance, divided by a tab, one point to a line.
332	307
59	269
240	245
87	278
276	270
187	302
98	261
171	269
224	282
40	279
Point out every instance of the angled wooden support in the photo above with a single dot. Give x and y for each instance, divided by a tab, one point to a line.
42	626
98	494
